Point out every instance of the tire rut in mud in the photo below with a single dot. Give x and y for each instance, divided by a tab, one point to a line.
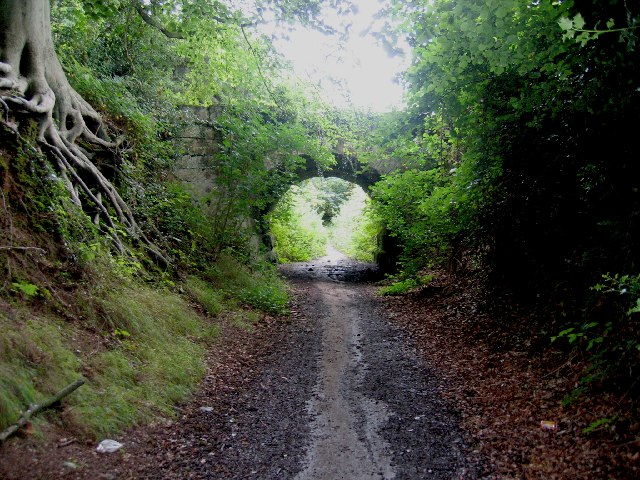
387	399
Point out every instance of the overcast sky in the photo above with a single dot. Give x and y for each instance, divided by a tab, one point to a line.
362	66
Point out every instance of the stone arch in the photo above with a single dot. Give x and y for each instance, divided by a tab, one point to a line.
347	168
198	139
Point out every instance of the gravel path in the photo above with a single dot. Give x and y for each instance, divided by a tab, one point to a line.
375	409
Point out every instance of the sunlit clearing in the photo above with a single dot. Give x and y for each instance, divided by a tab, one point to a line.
320	216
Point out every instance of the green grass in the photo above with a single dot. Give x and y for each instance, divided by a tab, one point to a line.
34	363
140	348
261	288
211	299
152	356
401	287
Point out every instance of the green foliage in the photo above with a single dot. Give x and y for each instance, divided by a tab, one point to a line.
266	294
607	334
180	226
326	196
142	129
146	311
613	336
259	287
518	130
399	288
138	344
600	424
297	225
627	286
323	210
211	299
422	211
263	121
575	396
28	289
153	359
594	375
574	29
34	362
355	229
154	366
117	47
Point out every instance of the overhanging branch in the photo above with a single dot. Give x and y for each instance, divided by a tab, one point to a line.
149	20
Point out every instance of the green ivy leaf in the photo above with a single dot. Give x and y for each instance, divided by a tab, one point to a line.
578	22
566	24
29	289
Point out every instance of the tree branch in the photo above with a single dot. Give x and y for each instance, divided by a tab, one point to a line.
155	23
262	77
149	20
33	409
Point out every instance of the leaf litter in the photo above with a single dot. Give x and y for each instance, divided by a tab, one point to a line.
509	385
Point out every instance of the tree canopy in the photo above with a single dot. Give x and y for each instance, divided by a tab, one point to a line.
517	156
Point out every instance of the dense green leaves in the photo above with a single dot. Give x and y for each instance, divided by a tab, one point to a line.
322	212
118	54
517	155
519	113
297	225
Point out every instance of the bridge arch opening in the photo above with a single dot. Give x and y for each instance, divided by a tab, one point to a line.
320	215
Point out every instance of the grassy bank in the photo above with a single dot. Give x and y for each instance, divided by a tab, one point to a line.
139	347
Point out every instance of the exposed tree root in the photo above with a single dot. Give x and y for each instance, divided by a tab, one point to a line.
81	177
33	83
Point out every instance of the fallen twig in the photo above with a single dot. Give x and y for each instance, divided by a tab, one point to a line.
33	409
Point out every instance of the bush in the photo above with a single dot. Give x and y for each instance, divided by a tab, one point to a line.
354	230
399	288
609	332
260	288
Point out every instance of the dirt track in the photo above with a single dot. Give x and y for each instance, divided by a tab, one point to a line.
375	410
337	393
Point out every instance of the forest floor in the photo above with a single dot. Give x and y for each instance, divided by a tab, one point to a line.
357	386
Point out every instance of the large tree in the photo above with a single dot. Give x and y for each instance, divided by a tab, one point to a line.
34	85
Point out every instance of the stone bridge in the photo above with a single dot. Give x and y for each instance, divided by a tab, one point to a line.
346	167
198	138
194	170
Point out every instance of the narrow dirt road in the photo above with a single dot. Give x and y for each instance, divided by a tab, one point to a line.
375	410
335	393
345	432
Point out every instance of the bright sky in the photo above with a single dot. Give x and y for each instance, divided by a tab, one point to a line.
359	73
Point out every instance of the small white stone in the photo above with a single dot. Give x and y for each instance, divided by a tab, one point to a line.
108	446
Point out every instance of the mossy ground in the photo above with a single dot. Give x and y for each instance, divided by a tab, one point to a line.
140	348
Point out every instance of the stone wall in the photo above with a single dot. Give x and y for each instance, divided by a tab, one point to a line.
197	142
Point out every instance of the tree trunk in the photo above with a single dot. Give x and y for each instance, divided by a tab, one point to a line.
32	81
